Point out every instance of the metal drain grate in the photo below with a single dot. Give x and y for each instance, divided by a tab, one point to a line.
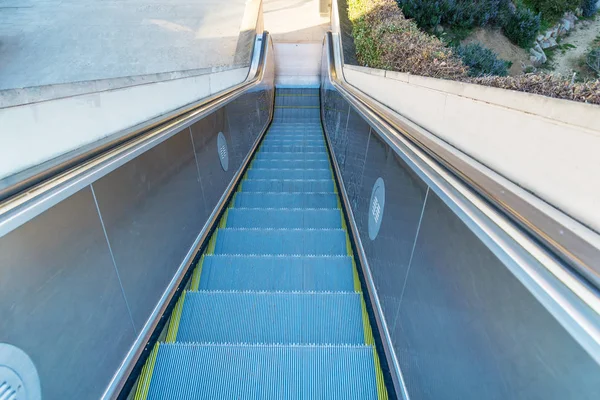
19	379
11	386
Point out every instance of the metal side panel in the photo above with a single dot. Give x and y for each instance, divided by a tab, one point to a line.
213	178
153	209
456	316
390	253
61	301
467	321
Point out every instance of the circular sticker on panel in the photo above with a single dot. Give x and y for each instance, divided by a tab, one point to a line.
376	208
19	378
222	149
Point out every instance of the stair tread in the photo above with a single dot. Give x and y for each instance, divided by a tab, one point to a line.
271	317
283	218
288	185
208	371
286	200
291	273
289	173
281	241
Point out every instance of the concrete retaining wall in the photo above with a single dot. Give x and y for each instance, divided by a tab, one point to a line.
548	146
31	134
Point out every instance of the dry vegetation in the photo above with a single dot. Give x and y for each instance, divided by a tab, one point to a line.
385	39
546	85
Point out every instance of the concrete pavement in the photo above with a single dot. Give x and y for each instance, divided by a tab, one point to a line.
45	42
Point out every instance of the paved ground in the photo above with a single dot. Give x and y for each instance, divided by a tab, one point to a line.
295	20
46	42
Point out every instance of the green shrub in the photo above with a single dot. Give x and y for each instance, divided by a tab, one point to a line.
552	9
593	60
522	26
481	61
453	13
588	7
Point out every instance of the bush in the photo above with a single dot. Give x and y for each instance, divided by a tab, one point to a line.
593	60
385	39
552	9
482	61
545	85
588	7
522	26
454	13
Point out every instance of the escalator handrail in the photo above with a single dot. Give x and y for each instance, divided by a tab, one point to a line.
39	192
123	373
566	295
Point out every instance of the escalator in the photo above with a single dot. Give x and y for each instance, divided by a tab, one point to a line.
274	308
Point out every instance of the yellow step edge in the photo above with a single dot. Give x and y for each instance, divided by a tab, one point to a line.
197	274
348	245
382	393
175	319
212	242
344	227
369	340
357	287
223	221
141	393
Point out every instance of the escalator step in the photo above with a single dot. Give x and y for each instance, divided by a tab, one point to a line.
328	242
296	133
284	218
271	173
207	371
277	273
292	114
286	200
291	164
272	317
282	155
297	100
292	140
293	148
287	185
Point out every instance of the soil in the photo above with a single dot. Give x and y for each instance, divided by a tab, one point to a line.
494	40
566	60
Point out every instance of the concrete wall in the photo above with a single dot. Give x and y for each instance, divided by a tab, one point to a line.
31	134
548	146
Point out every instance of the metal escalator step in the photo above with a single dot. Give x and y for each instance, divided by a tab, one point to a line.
297	100
208	371
293	141
293	148
298	173
302	127
291	164
288	185
328	242
286	200
284	218
296	114
283	91
295	133
283	273
272	317
282	155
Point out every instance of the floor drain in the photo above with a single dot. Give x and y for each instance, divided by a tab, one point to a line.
19	379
